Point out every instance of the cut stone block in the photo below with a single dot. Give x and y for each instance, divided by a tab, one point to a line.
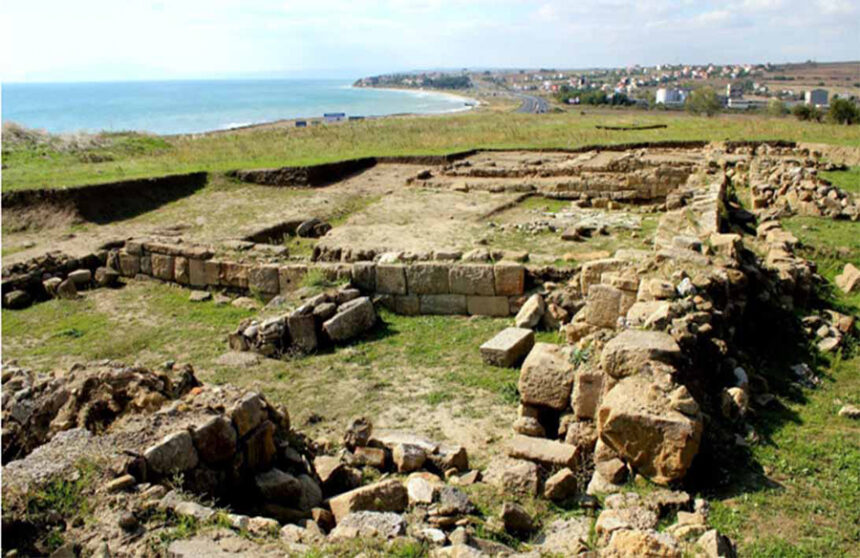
353	318
391	279
546	377
234	275
508	347
443	304
197	273
162	267
407	305
510	279
497	306
264	279
129	265
212	273
472	280
428	278
385	496
180	270
541	450
290	277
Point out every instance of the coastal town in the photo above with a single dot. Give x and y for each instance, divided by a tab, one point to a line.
737	87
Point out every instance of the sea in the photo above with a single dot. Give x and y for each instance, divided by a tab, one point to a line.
179	107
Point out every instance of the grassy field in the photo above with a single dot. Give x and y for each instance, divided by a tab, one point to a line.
38	161
800	494
422	363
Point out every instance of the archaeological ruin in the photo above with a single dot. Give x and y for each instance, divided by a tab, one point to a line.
653	277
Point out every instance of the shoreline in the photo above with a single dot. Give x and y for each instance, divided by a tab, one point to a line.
283	121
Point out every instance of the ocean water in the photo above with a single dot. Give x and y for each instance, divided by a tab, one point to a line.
174	107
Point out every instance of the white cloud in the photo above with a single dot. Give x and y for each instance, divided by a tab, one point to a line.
106	39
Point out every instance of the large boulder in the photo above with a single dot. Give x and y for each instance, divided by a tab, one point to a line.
636	420
631	350
352	319
546	377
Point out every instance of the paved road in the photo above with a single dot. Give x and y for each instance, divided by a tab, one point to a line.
537	105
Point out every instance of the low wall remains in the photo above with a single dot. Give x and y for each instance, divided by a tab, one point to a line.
426	287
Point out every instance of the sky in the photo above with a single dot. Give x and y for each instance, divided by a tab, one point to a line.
116	40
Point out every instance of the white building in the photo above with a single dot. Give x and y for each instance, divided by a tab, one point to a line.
670	97
816	97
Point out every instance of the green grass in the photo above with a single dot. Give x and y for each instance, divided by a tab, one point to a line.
848	180
805	501
423	363
146	321
32	166
64	497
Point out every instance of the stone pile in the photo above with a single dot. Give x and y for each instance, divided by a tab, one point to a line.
36	407
54	275
244	455
794	184
328	318
794	275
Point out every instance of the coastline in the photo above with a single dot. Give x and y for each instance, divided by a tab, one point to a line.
286	121
445	93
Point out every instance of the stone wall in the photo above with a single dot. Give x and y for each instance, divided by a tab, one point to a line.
426	287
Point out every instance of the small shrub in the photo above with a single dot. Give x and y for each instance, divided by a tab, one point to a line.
703	101
843	111
806	112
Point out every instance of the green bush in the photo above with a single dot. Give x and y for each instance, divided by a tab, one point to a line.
806	112
704	101
843	111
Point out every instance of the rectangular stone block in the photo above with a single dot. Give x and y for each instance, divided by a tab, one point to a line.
303	332
497	306
407	305
134	247
472	280
212	272
541	450
180	270
587	388
234	275
129	264
264	279
364	276
290	277
604	306
508	347
146	264
443	304
593	270
391	279
162	266
427	278
197	273
509	278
